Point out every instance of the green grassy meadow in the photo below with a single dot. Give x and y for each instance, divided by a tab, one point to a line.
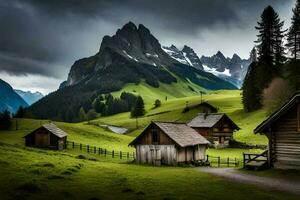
28	173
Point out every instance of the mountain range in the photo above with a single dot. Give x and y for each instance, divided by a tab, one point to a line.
232	69
132	55
29	97
9	99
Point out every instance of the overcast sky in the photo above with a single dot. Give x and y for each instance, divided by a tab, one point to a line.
41	39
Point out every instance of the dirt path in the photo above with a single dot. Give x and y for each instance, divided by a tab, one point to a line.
267	182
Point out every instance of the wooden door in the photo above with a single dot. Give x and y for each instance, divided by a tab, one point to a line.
42	139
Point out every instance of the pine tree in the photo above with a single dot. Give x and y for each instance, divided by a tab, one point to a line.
82	114
5	120
20	112
293	36
253	55
270	55
270	37
139	108
251	92
157	103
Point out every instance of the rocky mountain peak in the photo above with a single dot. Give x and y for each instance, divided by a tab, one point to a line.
220	55
129	26
236	58
187	49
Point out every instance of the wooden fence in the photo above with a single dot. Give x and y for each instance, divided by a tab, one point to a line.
101	151
224	162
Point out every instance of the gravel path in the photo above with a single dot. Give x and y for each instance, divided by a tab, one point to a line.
267	182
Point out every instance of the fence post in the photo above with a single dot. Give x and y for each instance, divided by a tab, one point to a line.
95	149
80	146
120	154
235	163
127	155
73	145
113	154
228	162
88	148
206	158
219	160
243	160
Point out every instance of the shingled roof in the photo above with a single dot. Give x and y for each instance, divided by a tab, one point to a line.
53	129
208	120
263	127
180	133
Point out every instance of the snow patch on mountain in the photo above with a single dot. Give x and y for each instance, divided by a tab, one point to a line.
129	56
187	59
226	72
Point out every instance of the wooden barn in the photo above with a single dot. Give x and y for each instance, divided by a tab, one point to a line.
205	107
169	144
47	136
218	128
283	131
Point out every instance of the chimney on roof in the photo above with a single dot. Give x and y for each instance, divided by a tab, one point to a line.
205	115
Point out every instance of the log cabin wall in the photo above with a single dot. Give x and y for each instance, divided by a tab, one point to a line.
206	132
162	137
164	150
285	140
156	154
219	135
42	138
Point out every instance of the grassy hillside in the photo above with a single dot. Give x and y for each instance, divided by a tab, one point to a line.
78	132
228	101
171	91
39	174
28	173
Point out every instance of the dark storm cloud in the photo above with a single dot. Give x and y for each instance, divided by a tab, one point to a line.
46	36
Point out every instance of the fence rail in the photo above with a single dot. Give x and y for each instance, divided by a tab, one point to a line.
100	151
228	162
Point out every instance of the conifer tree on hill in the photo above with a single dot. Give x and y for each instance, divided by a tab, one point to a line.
270	56
293	36
139	108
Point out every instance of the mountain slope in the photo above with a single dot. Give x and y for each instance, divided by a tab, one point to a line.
9	99
132	55
185	56
230	69
29	97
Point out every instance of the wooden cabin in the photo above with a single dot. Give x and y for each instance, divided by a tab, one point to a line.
283	131
205	107
217	128
165	143
47	136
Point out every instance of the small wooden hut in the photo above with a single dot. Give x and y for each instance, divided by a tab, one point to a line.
283	131
205	107
169	144
47	136
218	128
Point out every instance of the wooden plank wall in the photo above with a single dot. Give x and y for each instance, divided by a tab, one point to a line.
163	138
286	141
168	154
156	154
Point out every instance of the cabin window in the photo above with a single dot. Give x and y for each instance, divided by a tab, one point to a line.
155	136
215	129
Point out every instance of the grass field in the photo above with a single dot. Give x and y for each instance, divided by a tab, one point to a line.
39	174
228	102
28	173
